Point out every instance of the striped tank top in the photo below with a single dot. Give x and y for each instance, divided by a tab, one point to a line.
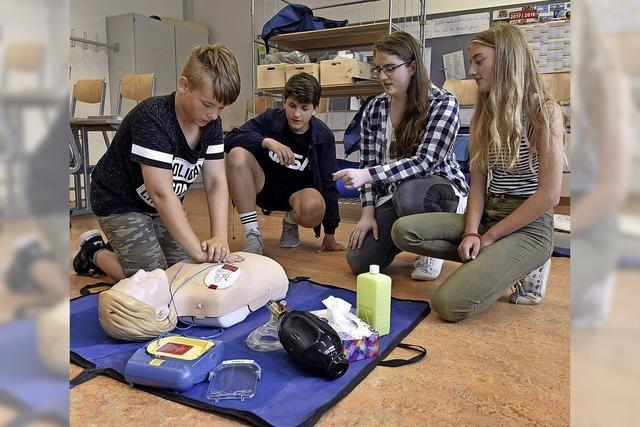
523	181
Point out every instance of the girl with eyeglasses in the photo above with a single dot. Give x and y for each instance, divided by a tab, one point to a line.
407	165
517	134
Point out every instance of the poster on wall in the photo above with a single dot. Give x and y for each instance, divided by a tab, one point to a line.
457	25
550	44
527	15
503	14
454	66
546	12
426	57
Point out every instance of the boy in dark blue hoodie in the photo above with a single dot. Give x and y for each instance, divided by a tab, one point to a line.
283	160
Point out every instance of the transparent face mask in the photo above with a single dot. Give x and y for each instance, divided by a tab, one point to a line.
265	337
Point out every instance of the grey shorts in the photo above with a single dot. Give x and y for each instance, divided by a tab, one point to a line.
141	241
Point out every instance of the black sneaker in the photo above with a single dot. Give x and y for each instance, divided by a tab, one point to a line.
89	243
18	275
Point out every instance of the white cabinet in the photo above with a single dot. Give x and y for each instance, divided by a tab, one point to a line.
147	45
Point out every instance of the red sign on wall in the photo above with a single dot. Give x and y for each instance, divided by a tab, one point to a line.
523	16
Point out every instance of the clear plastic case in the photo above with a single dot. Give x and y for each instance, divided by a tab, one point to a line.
234	379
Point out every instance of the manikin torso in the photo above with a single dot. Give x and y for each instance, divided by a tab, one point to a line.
217	295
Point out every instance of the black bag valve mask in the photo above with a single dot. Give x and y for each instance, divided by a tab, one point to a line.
313	344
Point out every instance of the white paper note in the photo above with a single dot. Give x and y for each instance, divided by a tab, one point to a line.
454	66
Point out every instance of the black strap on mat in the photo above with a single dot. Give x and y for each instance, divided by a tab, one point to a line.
86	375
86	289
394	363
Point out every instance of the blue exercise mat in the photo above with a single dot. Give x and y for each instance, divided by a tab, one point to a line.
25	381
286	395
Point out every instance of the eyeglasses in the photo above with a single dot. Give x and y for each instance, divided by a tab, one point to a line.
388	69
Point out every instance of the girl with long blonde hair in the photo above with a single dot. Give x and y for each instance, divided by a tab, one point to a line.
407	165
505	237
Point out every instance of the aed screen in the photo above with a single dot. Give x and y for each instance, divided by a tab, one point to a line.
174	348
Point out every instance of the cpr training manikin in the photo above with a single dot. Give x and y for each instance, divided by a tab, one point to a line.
147	304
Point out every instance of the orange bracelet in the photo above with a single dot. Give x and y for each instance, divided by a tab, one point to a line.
471	234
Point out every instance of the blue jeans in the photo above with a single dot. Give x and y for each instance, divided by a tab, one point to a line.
430	194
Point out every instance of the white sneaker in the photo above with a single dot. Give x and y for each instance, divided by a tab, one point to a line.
426	268
531	288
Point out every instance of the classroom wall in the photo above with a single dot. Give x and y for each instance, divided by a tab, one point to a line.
42	27
447	6
229	22
90	16
379	9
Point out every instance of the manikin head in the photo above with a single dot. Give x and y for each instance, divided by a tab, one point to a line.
137	308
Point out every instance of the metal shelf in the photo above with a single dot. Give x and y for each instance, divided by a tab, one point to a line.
334	38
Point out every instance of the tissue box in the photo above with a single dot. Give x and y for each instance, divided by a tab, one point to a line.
355	349
358	349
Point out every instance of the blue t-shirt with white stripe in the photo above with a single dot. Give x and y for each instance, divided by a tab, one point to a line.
151	135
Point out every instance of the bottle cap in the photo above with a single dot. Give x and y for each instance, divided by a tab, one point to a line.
374	269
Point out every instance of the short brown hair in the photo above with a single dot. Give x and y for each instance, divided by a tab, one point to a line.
215	65
304	88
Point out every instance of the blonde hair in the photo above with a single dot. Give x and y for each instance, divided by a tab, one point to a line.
214	66
125	318
517	97
410	131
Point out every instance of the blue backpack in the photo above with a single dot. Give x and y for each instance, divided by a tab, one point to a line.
351	138
295	18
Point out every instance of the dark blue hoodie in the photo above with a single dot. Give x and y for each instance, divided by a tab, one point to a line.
322	154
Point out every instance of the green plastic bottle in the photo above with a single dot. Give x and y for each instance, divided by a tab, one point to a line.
373	299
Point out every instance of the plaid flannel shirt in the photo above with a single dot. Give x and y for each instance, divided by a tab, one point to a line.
434	155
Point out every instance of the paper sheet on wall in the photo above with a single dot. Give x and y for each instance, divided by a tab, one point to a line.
426	58
454	66
550	44
457	25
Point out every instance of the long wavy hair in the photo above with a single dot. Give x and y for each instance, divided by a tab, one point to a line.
410	131
517	96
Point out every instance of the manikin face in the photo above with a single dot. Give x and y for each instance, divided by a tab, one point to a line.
150	288
197	103
298	115
482	65
394	81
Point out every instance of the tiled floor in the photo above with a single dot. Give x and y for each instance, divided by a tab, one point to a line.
507	366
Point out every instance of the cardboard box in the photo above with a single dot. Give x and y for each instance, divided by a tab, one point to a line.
342	71
293	69
355	349
271	76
